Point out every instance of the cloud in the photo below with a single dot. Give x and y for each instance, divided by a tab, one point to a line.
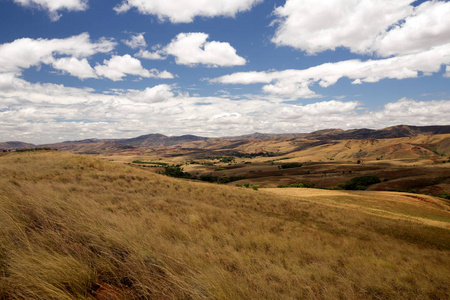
70	56
192	48
382	27
447	72
157	55
54	6
316	26
25	52
30	111
181	11
428	26
19	90
159	93
120	66
136	41
297	83
75	67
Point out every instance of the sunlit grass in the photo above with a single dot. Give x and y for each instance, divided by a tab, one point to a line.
75	227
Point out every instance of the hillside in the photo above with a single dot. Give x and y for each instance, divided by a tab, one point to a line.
15	145
77	227
398	131
256	142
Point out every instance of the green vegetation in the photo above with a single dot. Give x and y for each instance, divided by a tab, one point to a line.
33	149
255	187
217	179
176	171
291	165
223	159
359	183
309	185
278	159
149	163
445	195
257	154
193	162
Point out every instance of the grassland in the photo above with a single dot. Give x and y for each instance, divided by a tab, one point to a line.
77	227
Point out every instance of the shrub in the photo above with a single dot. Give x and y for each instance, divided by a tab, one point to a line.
149	163
255	187
175	171
34	149
299	185
445	195
223	180
359	183
291	165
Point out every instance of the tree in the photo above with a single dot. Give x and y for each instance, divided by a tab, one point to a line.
359	183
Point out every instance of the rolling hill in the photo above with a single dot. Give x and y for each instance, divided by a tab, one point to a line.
257	142
77	227
13	145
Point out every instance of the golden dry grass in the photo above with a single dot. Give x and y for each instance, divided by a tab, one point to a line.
421	209
75	227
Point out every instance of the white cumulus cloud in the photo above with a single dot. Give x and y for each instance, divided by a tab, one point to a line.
54	6
25	52
75	67
136	41
120	66
193	48
157	55
298	83
428	26
181	11
383	27
159	93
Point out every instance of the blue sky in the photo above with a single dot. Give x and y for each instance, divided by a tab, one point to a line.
79	69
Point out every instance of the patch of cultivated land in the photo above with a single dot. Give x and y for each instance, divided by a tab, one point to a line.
77	227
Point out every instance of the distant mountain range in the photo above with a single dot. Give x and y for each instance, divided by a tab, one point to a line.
385	133
192	141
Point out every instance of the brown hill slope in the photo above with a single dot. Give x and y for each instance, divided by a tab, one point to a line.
416	147
385	133
245	142
15	145
75	227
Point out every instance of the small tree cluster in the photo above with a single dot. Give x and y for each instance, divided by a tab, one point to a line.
308	185
217	179
359	183
176	171
291	165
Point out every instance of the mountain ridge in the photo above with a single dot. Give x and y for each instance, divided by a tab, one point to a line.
160	140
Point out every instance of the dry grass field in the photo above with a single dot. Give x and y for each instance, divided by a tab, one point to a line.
77	227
